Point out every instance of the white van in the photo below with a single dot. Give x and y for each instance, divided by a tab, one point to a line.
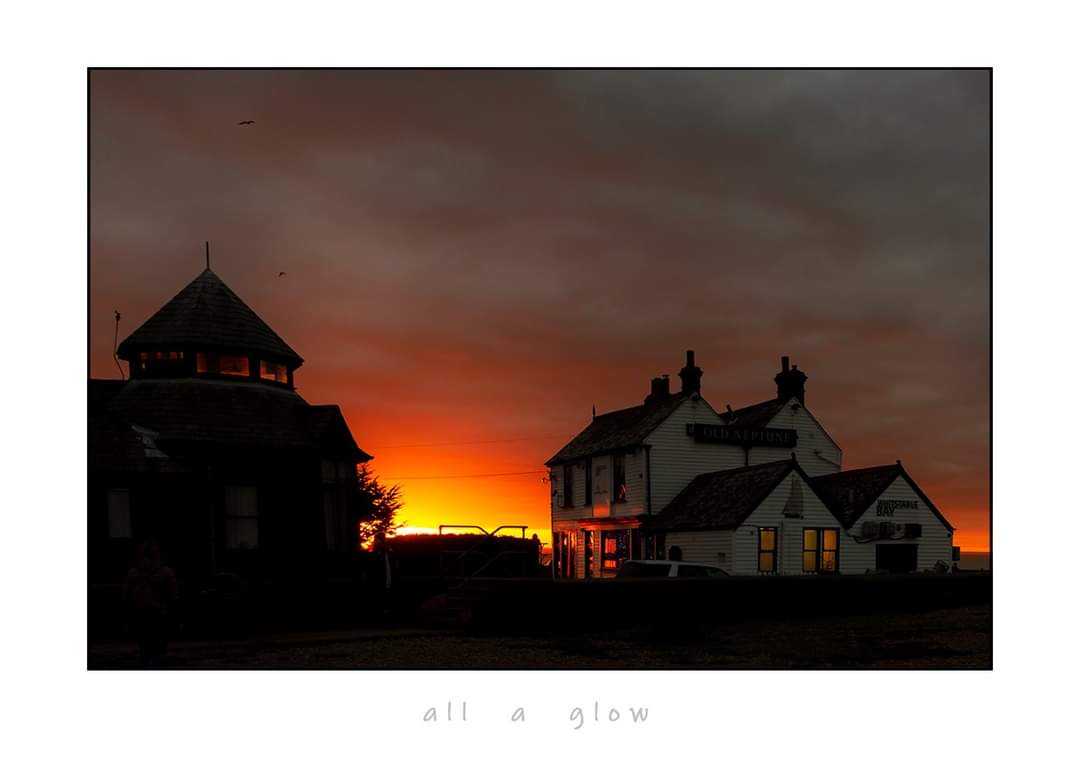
667	569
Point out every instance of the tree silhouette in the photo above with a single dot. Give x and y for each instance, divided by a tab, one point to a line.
376	507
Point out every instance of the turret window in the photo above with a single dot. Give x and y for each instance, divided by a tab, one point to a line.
275	372
220	363
164	363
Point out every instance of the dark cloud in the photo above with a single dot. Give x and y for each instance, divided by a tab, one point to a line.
503	249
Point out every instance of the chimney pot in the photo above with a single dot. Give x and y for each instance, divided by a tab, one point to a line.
690	375
658	390
790	382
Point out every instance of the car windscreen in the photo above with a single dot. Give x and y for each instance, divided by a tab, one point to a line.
687	571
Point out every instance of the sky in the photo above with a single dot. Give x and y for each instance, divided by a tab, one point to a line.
475	259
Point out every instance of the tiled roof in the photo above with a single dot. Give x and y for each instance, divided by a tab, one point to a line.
206	314
227	413
757	415
618	429
851	492
724	499
330	430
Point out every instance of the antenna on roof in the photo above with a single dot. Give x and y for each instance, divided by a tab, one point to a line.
207	255
116	335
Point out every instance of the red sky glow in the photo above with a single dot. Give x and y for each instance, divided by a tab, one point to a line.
475	259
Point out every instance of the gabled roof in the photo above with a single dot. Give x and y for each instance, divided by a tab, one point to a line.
617	430
756	415
760	414
213	413
724	499
206	314
851	492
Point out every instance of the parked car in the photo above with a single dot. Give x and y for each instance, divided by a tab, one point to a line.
667	569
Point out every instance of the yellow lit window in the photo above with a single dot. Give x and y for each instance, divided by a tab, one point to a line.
766	550
830	539
810	550
821	550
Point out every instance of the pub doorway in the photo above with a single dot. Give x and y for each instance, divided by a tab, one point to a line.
614	550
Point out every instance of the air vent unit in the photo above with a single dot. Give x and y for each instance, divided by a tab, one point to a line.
912	530
870	529
887	529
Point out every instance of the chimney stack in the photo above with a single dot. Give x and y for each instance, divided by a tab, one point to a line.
659	389
690	375
790	382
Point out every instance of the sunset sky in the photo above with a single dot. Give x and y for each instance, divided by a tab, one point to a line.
475	259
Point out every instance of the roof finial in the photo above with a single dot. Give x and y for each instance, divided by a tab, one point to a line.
207	255
594	411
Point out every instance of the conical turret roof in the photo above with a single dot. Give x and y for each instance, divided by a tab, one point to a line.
207	315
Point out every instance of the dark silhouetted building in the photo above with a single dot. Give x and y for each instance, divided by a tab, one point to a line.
208	449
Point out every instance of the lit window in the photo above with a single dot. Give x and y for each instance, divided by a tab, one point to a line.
164	362
275	372
564	554
215	363
241	517
236	365
766	550
830	540
119	502
821	547
809	550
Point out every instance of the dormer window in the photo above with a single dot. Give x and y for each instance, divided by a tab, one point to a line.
221	363
274	372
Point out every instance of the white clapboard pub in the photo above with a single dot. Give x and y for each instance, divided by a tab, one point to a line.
758	490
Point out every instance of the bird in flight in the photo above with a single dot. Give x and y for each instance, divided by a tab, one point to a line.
282	273
247	122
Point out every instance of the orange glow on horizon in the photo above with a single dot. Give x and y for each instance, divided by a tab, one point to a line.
409	530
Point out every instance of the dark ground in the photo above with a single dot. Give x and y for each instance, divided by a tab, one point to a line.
952	637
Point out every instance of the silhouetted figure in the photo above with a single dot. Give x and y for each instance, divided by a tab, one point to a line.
151	599
675	554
